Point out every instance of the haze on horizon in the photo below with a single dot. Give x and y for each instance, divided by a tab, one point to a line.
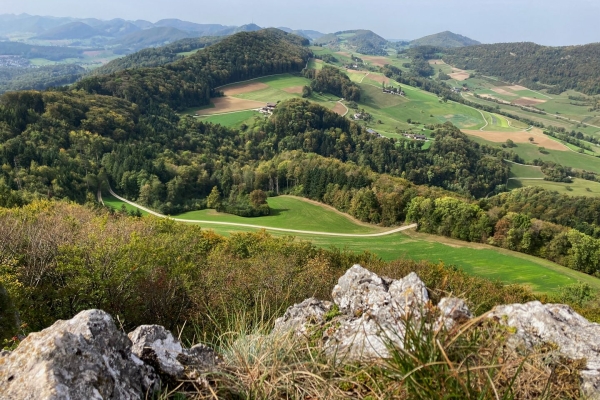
548	22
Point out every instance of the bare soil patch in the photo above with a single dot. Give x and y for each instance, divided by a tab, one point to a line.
294	89
528	101
380	79
519	137
242	88
516	88
436	62
339	109
378	61
503	91
229	104
460	76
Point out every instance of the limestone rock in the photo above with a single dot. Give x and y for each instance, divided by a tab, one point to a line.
157	347
453	311
575	337
372	313
298	317
86	357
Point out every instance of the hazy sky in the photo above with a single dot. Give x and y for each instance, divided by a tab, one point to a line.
552	22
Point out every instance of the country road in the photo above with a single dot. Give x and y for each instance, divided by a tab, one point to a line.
386	233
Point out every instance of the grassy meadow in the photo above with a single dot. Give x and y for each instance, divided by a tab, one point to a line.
579	187
476	259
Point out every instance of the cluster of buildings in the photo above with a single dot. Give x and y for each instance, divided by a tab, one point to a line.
415	137
13	62
268	109
460	89
397	92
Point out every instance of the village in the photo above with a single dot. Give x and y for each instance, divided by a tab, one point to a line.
13	62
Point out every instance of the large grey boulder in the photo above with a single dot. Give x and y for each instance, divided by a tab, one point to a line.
372	313
158	348
574	336
86	357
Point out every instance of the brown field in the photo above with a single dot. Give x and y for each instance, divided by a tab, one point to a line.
379	78
540	139
241	88
516	87
503	91
339	109
344	53
294	89
229	104
378	61
92	53
528	101
460	76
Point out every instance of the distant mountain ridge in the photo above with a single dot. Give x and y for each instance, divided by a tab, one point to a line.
361	40
445	40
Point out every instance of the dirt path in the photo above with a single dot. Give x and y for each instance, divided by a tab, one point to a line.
386	233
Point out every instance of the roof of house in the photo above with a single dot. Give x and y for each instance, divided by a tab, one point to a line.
369	130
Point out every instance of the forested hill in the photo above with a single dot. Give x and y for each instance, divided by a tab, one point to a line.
156	57
189	82
445	39
563	68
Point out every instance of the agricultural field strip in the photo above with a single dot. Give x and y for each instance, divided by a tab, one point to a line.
390	232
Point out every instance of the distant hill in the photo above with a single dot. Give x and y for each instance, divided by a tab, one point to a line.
55	53
152	37
237	29
201	29
537	67
445	40
308	34
73	30
156	57
361	41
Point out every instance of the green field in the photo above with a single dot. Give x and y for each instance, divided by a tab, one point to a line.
525	171
291	213
530	152
480	260
579	187
232	120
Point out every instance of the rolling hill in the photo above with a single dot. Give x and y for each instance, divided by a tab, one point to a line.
73	30
537	67
445	40
152	37
362	41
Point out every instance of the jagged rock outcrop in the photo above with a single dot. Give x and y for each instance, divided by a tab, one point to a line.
372	314
158	348
372	311
86	357
575	337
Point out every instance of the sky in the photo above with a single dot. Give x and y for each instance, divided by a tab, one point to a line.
548	22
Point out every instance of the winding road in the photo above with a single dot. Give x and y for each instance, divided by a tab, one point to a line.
386	233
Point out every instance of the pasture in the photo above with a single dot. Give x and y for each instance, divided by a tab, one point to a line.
525	171
539	139
232	120
476	259
579	187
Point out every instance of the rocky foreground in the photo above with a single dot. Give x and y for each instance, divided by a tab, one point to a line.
88	357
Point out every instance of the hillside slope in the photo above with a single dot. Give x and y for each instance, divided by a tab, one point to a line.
361	41
563	68
73	30
445	40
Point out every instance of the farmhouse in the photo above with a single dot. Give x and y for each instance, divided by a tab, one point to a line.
415	137
268	109
373	132
358	116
